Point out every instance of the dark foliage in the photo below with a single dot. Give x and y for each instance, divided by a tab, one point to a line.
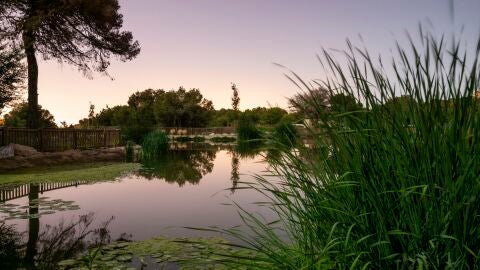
17	117
183	108
180	166
85	34
12	75
10	240
247	130
235	98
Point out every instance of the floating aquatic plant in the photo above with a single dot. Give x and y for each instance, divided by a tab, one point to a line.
185	253
44	205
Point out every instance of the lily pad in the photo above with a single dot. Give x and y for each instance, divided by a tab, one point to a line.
67	263
125	258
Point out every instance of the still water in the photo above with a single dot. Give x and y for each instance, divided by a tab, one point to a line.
184	188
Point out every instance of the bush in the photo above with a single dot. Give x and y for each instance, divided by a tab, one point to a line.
394	187
154	144
135	133
247	130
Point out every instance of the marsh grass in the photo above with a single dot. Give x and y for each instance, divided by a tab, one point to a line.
154	144
285	133
394	185
247	130
129	151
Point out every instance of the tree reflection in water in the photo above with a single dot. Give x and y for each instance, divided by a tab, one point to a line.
183	166
44	249
10	245
33	226
66	240
235	175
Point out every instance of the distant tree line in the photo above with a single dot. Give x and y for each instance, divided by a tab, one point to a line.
12	75
18	116
149	109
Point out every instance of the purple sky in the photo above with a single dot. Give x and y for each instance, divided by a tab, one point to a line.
207	44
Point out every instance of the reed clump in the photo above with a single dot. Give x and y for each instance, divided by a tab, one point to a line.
393	185
154	143
247	130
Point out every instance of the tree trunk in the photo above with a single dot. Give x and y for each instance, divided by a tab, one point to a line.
33	227
33	113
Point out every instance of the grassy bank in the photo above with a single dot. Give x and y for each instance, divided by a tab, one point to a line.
65	173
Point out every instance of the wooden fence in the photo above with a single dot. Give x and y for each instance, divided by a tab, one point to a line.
198	131
14	192
53	140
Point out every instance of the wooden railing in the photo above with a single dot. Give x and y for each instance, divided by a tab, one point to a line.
53	140
198	131
15	192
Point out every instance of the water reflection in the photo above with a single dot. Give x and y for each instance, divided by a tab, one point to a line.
38	248
179	166
10	240
189	163
33	226
203	181
235	175
44	249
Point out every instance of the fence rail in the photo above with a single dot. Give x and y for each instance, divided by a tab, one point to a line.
198	131
15	192
53	140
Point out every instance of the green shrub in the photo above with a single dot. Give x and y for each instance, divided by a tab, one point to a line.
154	144
393	186
135	133
247	130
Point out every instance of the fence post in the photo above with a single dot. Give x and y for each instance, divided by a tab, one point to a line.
40	140
74	139
3	136
104	138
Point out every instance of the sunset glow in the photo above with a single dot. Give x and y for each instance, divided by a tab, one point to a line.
208	44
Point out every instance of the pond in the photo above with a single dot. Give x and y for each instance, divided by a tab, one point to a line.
184	188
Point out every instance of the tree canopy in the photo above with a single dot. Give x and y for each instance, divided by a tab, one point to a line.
183	108
310	104
319	103
12	75
17	117
235	98
150	109
83	33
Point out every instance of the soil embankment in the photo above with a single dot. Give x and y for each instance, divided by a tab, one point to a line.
28	157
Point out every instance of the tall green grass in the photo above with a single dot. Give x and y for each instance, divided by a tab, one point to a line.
247	130
285	133
395	185
154	144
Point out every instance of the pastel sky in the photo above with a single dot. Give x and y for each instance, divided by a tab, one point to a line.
207	44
